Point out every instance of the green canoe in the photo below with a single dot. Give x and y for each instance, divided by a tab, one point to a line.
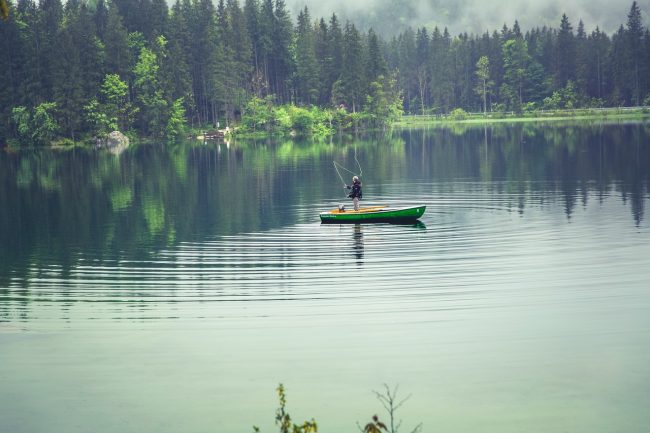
374	214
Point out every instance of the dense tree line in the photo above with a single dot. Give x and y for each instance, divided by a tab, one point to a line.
84	68
511	70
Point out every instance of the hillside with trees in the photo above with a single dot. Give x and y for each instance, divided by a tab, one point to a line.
79	70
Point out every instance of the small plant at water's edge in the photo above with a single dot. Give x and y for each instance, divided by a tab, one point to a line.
388	398
283	419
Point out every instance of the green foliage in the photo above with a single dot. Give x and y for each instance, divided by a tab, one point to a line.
258	115
149	94
176	125
383	102
109	65
21	118
458	114
564	98
44	126
283	419
302	120
483	77
100	122
114	111
282	120
37	127
383	106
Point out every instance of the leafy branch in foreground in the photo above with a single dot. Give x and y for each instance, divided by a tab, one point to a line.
283	419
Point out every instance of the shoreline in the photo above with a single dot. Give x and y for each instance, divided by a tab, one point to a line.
632	113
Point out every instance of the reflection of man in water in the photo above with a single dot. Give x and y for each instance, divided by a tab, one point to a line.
355	192
358	243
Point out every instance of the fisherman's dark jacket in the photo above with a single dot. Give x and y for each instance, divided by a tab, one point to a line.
355	190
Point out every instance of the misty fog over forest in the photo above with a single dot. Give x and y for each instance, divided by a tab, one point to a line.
389	17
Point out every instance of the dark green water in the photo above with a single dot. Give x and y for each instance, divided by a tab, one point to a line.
171	289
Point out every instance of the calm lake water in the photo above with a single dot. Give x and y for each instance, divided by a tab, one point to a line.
170	289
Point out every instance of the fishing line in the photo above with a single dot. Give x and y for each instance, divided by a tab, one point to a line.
358	164
337	172
337	166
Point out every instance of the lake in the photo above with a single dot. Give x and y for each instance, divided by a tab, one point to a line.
172	288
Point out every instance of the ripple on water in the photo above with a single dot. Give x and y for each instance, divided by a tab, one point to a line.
469	251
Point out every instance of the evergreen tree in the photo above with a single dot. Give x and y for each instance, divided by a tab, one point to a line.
307	77
10	71
206	61
101	18
618	93
442	86
76	68
175	70
237	55
116	44
597	52
282	59
350	88
565	54
333	64
375	61
582	60
321	52
421	67
516	62
634	53
49	19
252	16
158	16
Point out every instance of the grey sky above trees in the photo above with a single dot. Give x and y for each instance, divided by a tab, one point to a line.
472	16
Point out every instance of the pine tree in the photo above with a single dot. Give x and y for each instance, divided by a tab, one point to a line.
582	66
618	61
321	35
76	69
101	18
283	63
241	42
634	52
597	51
206	61
401	59
442	88
351	87
516	62
375	61
565	54
252	15
158	17
307	77
49	18
175	74
11	60
333	64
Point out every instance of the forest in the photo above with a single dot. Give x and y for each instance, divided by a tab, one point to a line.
84	68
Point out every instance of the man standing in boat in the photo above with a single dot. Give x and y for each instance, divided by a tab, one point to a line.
355	192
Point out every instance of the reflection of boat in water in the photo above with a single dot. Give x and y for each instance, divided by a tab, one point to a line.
374	214
358	243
